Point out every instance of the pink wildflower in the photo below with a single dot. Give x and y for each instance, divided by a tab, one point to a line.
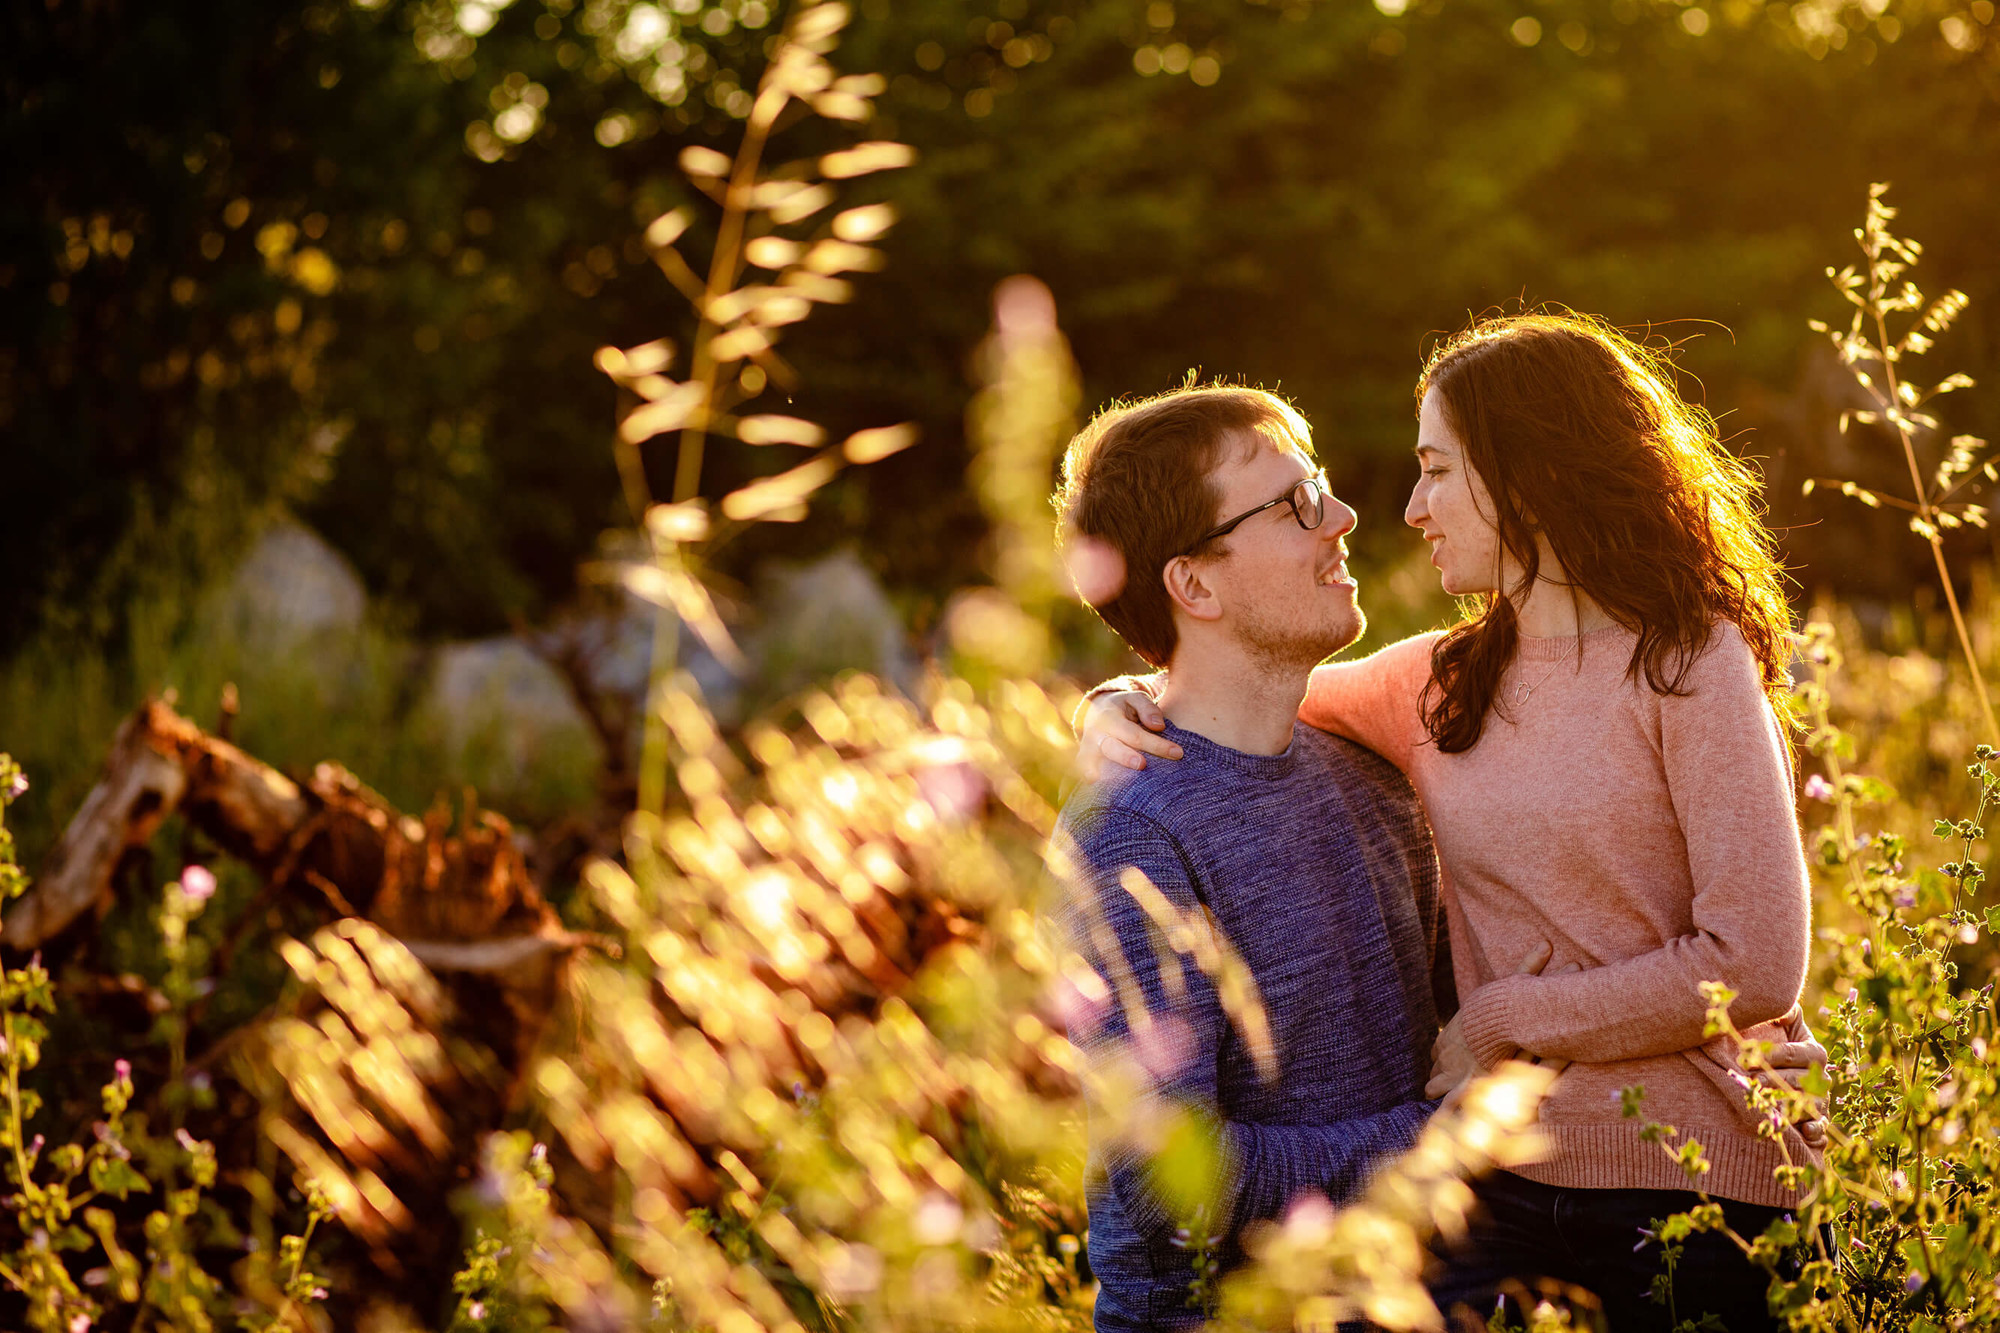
198	884
1818	788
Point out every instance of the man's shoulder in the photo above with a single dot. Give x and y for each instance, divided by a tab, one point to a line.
1354	764
1155	795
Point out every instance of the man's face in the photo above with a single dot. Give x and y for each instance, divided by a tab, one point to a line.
1285	592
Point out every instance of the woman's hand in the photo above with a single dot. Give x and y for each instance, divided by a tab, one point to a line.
1789	1062
1452	1062
1121	729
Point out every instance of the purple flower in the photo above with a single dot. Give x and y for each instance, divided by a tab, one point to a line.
1818	788
1913	1282
1906	897
197	884
476	1310
17	786
122	1070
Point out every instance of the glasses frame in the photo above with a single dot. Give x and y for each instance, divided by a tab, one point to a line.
1317	481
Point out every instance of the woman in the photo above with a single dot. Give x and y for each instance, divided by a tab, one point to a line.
1599	751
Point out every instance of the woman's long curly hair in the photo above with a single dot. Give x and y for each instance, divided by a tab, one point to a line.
1580	436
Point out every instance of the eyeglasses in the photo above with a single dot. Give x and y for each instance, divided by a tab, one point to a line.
1307	497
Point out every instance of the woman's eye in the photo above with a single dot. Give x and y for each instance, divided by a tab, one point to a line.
1434	472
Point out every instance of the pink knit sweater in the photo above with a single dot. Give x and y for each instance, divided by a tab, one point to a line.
1652	840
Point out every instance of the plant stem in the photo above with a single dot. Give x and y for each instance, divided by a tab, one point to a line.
1892	408
723	270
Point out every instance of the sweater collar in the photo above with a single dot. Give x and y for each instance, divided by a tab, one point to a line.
1262	766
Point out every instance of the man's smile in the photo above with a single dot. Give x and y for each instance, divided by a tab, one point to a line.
1337	575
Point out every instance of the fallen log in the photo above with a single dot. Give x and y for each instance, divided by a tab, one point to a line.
459	902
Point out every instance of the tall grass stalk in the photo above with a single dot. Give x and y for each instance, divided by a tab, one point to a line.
1877	295
737	327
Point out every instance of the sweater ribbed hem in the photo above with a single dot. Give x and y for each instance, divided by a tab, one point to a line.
1613	1156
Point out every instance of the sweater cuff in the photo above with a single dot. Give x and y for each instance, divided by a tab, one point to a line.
1486	1019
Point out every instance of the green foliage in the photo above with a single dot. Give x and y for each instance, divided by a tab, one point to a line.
54	1191
1299	192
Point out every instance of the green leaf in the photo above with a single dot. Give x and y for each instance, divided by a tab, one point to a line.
116	1177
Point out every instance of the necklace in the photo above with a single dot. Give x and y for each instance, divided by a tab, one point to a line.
1522	689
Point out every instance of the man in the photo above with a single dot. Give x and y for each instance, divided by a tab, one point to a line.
1305	853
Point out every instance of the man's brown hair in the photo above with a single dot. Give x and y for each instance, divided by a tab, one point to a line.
1137	479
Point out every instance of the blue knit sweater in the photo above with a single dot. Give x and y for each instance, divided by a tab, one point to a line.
1316	865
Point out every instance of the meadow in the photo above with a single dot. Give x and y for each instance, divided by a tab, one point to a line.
767	1032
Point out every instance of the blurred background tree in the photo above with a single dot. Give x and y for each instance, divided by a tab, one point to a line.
353	257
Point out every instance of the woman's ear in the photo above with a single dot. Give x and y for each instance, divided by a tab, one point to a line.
1190	590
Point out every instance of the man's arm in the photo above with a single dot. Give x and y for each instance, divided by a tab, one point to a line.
1182	1026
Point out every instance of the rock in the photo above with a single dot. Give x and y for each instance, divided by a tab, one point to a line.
291	589
816	620
512	726
607	650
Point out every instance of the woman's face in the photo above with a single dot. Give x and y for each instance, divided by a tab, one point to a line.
1453	509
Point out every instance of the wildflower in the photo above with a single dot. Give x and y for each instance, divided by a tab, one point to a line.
122	1070
1913	1283
17	785
1906	897
1898	1180
1979	1048
1818	788
79	1323
938	1220
319	1293
1164	1047
1862	840
476	1310
197	884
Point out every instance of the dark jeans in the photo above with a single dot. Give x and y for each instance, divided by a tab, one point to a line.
1527	1239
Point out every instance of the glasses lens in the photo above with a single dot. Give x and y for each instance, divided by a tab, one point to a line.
1309	504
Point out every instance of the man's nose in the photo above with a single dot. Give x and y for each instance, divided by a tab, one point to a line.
1340	520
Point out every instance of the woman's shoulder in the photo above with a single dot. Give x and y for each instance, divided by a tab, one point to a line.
1397	665
1723	666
